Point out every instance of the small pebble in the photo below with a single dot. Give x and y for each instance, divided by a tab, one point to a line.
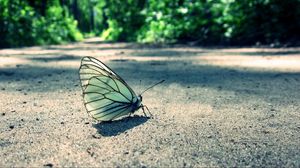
90	151
266	131
3	114
37	119
48	165
62	122
96	136
11	126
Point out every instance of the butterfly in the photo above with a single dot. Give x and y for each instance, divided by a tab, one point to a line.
106	95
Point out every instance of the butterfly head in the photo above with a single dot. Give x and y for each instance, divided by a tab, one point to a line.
137	103
140	98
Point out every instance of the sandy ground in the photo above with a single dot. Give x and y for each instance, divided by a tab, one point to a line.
218	107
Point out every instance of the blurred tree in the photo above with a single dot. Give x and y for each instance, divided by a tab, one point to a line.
206	22
25	23
124	18
264	21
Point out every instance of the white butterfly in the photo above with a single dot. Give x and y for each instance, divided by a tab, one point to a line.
106	95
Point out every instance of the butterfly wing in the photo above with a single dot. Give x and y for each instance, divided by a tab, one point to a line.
91	67
106	95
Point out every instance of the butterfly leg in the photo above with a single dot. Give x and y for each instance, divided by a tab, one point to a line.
130	114
144	111
149	111
143	108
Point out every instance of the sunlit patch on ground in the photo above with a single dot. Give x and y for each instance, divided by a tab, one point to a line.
280	59
12	61
277	63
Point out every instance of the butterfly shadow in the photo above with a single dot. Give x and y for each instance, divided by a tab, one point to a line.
113	128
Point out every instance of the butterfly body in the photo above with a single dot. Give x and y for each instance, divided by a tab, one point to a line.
137	104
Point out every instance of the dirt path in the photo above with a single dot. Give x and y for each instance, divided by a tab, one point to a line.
218	107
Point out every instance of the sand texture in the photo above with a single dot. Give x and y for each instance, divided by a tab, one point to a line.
217	107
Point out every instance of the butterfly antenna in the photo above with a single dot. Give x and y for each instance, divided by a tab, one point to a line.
152	86
140	83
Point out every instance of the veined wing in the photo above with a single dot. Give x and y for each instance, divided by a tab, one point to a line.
107	98
91	67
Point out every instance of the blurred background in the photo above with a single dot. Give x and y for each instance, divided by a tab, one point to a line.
200	22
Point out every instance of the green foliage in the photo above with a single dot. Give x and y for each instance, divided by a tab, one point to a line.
55	27
185	20
237	22
264	21
113	32
22	25
15	23
89	15
123	19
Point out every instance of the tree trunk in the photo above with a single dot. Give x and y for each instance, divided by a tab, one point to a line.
75	10
43	7
92	17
